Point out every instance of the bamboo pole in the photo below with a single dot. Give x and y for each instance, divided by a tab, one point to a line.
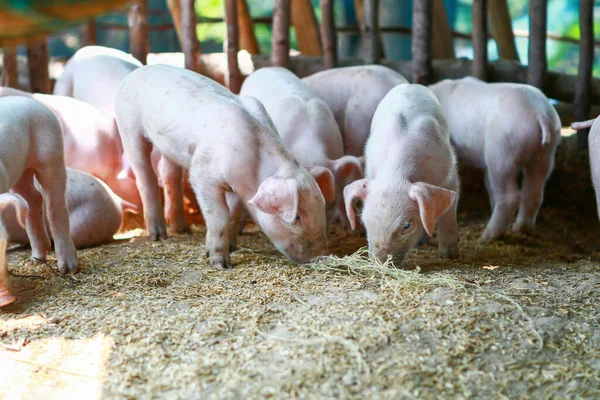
175	11
538	63
281	34
87	34
442	46
583	86
307	31
480	38
38	60
371	31
421	41
190	44
248	40
328	34
139	45
233	77
501	25
11	73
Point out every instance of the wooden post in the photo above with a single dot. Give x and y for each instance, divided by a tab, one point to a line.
11	73
583	87
190	44
87	35
248	40
38	60
371	31
442	46
328	34
501	24
360	16
139	45
480	38
307	31
280	56
175	11
538	64
421	41
233	79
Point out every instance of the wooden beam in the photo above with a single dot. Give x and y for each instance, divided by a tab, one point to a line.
139	45
38	60
248	40
233	77
307	30
501	25
371	32
442	46
281	34
360	17
175	11
87	34
421	41
586	65
480	38
190	44
538	63
10	67
328	33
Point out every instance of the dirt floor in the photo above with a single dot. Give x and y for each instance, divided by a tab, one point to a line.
513	319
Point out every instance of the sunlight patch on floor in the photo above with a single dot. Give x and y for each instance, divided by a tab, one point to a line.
55	368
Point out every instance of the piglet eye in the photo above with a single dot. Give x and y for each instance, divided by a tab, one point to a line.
406	225
297	218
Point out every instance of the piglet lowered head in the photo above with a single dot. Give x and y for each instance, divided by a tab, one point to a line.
411	179
291	212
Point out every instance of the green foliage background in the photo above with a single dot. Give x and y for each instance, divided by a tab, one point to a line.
563	19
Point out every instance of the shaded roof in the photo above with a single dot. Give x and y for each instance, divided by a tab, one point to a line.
22	20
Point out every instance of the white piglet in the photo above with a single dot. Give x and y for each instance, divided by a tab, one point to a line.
353	94
306	126
93	75
229	144
411	178
32	144
503	128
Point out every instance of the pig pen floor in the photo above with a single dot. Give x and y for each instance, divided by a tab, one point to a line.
517	318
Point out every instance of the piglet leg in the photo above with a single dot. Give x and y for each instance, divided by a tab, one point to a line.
172	177
138	150
53	180
36	218
532	196
236	214
213	204
503	182
448	233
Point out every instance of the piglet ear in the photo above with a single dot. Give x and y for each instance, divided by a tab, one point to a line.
357	190
347	168
277	196
433	202
16	201
326	182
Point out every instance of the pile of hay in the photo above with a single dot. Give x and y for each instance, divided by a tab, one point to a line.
146	319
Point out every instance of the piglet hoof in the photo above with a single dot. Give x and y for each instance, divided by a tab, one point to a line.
181	229
449	251
490	235
6	298
69	265
232	247
523	227
221	261
157	231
